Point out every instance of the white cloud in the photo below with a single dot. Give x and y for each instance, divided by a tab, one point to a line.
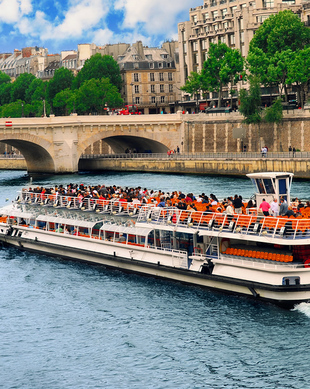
155	17
12	10
81	17
77	21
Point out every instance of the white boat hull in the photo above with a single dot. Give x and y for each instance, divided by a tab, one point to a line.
159	263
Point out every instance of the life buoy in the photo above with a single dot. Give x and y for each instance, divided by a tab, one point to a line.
198	250
307	263
224	244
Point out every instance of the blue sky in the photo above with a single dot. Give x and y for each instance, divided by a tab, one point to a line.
62	25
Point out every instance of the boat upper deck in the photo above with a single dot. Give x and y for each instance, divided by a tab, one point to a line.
253	226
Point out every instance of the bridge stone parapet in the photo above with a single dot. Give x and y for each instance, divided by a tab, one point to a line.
55	144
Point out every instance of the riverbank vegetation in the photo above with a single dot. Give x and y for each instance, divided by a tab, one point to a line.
95	88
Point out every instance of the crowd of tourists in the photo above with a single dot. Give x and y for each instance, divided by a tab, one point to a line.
202	202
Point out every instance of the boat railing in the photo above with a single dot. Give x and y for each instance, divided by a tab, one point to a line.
258	264
252	224
113	206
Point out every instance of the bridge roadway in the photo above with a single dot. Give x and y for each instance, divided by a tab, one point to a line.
56	144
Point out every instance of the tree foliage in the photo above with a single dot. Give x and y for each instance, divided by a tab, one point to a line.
97	67
20	86
274	113
250	102
95	95
62	80
223	66
280	32
274	48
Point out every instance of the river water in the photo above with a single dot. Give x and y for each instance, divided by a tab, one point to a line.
69	325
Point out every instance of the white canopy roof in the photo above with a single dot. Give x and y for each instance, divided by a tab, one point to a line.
71	222
126	230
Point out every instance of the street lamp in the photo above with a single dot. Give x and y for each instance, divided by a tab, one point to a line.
132	92
44	108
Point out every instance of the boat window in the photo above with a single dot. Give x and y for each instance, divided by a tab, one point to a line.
260	185
282	186
269	186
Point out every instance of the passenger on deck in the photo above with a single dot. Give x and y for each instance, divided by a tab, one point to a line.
274	208
229	209
181	205
290	212
237	203
191	207
264	206
283	207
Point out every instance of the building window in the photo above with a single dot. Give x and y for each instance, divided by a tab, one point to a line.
184	48
137	100
152	77
161	88
153	99
170	88
151	65
205	17
162	99
136	77
152	88
195	46
194	18
214	14
224	12
136	88
268	4
160	64
161	76
170	77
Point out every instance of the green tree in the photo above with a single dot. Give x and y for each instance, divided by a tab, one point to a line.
64	102
13	110
4	78
298	73
62	80
274	46
20	86
5	93
95	95
36	90
250	102
274	113
280	32
222	66
97	67
193	85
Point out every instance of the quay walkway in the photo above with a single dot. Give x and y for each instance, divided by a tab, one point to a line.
237	164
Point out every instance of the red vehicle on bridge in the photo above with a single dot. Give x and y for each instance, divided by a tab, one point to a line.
130	109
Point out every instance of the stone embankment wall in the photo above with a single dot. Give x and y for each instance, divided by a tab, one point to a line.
301	168
205	133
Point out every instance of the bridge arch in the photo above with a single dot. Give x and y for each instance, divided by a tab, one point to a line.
37	158
119	144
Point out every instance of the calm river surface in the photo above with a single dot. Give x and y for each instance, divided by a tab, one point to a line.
69	325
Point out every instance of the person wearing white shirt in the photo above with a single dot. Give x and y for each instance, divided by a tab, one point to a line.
274	208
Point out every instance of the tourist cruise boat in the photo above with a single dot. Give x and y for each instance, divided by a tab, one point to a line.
265	258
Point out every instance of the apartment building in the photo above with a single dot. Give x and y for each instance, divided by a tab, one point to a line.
149	77
229	21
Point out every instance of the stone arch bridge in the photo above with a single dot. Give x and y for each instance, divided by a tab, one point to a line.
55	144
